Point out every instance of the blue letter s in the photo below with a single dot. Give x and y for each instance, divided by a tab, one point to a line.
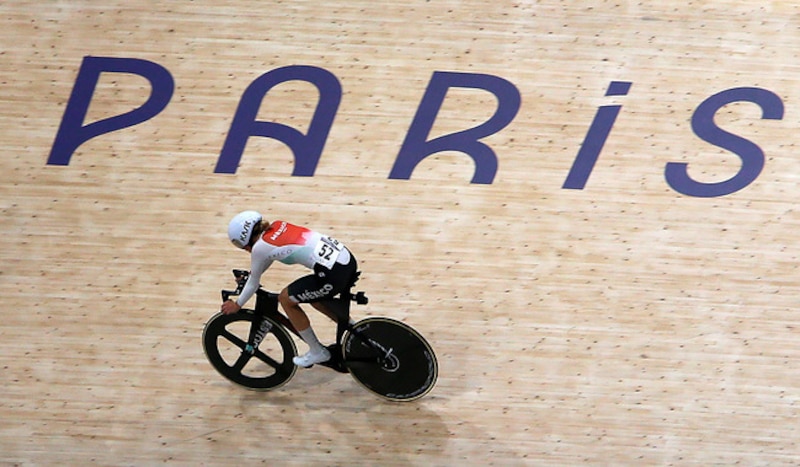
703	125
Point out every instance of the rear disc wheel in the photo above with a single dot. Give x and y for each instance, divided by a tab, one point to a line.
390	358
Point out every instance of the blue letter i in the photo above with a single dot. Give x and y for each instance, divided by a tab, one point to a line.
595	138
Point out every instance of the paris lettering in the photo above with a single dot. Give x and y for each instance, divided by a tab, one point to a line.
307	148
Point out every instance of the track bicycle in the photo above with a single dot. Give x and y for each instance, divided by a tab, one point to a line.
254	348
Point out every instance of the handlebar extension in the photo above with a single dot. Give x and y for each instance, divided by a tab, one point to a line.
241	276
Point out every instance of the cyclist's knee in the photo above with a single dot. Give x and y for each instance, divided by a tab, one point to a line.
284	298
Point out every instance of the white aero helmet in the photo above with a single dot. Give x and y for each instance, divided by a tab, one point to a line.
241	227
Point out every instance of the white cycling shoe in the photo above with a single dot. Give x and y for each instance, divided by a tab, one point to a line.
311	357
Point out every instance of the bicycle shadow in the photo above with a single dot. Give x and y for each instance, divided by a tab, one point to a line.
351	421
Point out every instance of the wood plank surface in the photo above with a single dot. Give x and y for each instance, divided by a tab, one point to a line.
622	324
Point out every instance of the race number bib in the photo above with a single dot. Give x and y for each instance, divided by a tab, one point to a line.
327	251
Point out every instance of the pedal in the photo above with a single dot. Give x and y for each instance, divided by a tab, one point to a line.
336	362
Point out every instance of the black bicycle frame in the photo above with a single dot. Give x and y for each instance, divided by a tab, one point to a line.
267	305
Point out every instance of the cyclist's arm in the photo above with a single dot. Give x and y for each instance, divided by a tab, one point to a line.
258	264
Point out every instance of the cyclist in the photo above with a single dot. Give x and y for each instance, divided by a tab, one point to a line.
333	267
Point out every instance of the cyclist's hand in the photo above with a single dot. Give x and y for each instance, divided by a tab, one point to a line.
229	307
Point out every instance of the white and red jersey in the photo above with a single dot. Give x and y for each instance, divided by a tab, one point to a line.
291	244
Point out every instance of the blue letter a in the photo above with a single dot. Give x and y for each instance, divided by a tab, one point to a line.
307	148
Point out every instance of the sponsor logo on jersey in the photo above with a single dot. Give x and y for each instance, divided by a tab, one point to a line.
278	232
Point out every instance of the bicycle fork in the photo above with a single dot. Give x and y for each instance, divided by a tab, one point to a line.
257	334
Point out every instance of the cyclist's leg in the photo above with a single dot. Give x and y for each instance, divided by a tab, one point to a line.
341	278
325	307
296	315
315	289
302	290
320	288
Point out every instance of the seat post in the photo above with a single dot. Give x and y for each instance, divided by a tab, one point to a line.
342	308
342	311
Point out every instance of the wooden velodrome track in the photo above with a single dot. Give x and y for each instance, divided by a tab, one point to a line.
625	323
